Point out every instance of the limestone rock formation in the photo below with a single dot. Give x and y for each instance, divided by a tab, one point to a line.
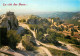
33	19
77	16
9	21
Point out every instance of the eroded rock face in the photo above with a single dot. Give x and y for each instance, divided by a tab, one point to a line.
77	16
9	20
32	19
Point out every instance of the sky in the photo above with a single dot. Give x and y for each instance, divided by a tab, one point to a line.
34	6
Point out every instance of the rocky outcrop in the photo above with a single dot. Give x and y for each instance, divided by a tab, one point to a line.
9	21
33	19
77	16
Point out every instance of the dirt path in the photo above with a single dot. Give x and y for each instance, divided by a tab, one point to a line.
26	26
70	48
38	42
34	34
11	53
50	46
20	46
46	51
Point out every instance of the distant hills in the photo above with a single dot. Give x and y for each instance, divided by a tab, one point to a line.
61	15
67	17
77	16
74	20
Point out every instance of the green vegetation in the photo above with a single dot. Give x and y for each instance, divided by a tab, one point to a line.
78	27
34	17
54	37
72	32
22	20
26	31
78	46
40	27
33	26
73	21
56	19
27	43
69	39
38	23
13	38
50	38
60	53
43	27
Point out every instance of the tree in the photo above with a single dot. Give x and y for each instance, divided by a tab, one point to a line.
48	30
40	36
72	32
22	20
78	27
26	41
13	38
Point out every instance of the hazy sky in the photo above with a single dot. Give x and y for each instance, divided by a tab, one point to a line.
41	6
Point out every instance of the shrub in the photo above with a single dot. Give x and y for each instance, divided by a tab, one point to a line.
78	46
74	41
60	53
51	38
26	31
13	38
68	39
39	36
22	20
27	44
